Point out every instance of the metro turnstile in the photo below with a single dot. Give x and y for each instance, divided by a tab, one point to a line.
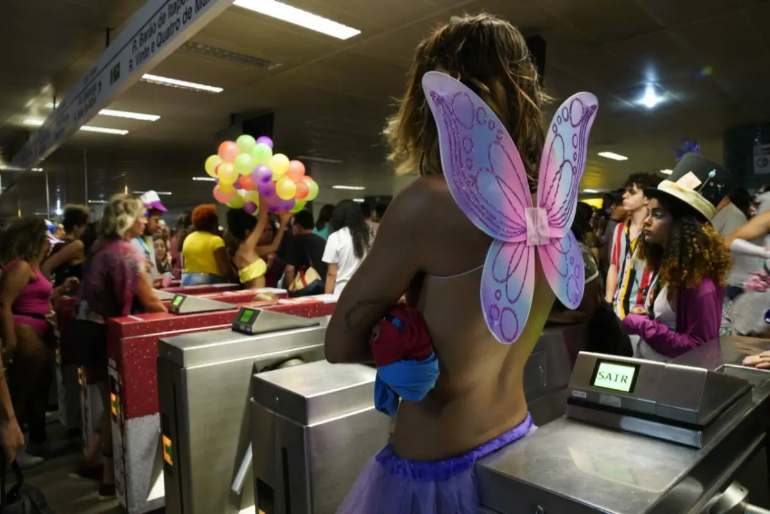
601	462
313	428
203	385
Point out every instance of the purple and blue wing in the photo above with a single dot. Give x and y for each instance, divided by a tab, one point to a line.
563	161
507	286
481	164
563	266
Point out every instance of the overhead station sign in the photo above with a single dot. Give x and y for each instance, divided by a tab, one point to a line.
154	32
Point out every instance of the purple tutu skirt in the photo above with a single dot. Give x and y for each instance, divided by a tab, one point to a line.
389	484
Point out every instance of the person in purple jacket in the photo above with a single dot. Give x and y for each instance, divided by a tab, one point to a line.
684	302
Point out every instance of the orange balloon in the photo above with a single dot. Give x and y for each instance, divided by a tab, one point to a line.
228	151
302	189
296	171
247	182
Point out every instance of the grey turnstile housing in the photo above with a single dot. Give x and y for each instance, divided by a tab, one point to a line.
313	429
203	386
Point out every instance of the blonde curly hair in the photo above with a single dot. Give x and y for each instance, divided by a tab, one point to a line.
120	214
491	57
694	250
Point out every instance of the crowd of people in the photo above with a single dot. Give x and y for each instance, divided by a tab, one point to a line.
114	267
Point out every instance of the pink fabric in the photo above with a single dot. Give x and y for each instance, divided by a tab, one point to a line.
35	299
698	317
110	280
538	233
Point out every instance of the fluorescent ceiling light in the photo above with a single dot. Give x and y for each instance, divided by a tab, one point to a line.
319	159
650	98
36	123
591	190
37	169
667	172
103	130
613	156
359	200
97	201
166	193
204	179
164	81
130	115
350	188
299	17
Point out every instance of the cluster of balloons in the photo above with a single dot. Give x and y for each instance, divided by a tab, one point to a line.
247	168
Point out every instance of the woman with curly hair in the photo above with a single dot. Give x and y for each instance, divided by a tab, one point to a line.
25	295
684	302
204	255
347	245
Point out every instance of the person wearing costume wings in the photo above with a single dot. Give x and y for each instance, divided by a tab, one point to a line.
479	252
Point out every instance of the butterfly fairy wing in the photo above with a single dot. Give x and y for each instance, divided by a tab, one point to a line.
481	164
507	286
563	161
562	263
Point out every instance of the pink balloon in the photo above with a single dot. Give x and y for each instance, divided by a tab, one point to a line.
302	189
296	171
228	151
262	174
223	197
250	208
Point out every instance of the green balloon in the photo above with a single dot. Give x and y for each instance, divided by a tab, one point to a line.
261	154
237	202
244	164
300	205
313	189
246	144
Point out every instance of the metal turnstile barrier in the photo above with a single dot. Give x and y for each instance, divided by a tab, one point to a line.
203	384
640	437
313	428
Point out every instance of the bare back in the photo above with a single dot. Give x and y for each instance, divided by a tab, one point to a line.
479	394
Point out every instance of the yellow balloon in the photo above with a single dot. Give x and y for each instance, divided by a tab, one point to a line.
279	164
252	196
226	188
227	174
285	188
211	165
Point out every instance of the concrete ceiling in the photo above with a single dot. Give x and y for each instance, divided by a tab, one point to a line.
330	97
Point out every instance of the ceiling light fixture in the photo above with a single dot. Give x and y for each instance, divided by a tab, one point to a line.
350	188
103	130
590	191
667	172
299	17
38	170
614	156
650	98
164	193
164	81
359	200
319	159
130	115
100	202
35	123
204	179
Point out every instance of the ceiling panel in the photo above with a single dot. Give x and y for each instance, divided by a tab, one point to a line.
602	21
656	55
670	13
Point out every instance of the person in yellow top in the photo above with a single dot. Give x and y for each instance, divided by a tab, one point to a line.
204	256
246	232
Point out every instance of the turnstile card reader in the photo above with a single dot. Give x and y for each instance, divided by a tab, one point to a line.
184	304
313	429
203	388
664	400
164	295
252	321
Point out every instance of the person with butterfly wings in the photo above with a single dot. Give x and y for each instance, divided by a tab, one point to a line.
481	244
